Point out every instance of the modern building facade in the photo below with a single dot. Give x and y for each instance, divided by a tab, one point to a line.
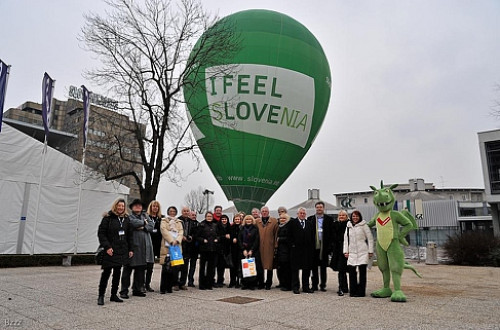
110	133
445	211
489	148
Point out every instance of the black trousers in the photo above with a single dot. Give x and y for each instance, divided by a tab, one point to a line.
343	281
358	287
188	270
285	275
322	265
260	274
149	274
139	277
342	269
305	279
235	271
168	279
103	283
221	268
207	269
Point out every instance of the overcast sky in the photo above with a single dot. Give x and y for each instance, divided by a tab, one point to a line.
413	83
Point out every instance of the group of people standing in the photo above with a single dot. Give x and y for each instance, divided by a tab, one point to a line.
289	245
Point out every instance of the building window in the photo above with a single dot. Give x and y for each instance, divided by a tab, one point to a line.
493	162
366	200
475	197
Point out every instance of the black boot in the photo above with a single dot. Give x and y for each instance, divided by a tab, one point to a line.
100	300
115	298
340	292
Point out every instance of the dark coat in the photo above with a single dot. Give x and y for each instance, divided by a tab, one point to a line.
339	261
328	234
224	246
283	244
301	242
207	231
249	240
143	251
189	246
234	231
109	237
156	235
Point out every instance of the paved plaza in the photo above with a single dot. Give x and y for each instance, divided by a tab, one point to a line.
447	297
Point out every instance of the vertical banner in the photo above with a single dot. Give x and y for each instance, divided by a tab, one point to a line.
86	112
4	73
47	92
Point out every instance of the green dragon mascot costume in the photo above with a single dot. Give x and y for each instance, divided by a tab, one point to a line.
390	255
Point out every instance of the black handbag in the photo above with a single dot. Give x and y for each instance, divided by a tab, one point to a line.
99	255
167	267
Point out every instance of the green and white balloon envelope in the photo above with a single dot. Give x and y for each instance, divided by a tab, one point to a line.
265	111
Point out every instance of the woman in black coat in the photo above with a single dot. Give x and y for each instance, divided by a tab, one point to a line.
249	245
222	249
234	271
154	213
339	261
207	236
283	254
115	236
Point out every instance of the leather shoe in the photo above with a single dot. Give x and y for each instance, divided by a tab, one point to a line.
296	291
340	293
162	292
357	295
191	285
314	288
149	289
322	290
176	288
182	287
139	294
308	291
124	296
115	298
100	300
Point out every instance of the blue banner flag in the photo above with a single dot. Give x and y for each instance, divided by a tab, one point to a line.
86	112
47	90
4	72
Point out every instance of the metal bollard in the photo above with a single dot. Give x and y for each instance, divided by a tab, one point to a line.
431	254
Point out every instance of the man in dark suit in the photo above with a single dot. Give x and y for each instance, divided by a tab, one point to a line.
323	238
301	240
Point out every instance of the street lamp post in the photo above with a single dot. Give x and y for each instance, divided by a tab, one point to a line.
207	193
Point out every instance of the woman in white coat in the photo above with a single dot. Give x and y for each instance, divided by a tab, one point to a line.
358	249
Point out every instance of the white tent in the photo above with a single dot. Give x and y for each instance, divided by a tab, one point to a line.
57	229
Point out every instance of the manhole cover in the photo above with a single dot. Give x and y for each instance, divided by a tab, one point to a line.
239	300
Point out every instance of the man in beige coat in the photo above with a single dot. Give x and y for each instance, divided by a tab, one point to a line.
268	231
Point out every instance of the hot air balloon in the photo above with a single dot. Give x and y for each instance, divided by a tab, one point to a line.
255	120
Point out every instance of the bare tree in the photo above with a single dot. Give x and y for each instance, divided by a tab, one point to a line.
197	201
495	108
145	51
